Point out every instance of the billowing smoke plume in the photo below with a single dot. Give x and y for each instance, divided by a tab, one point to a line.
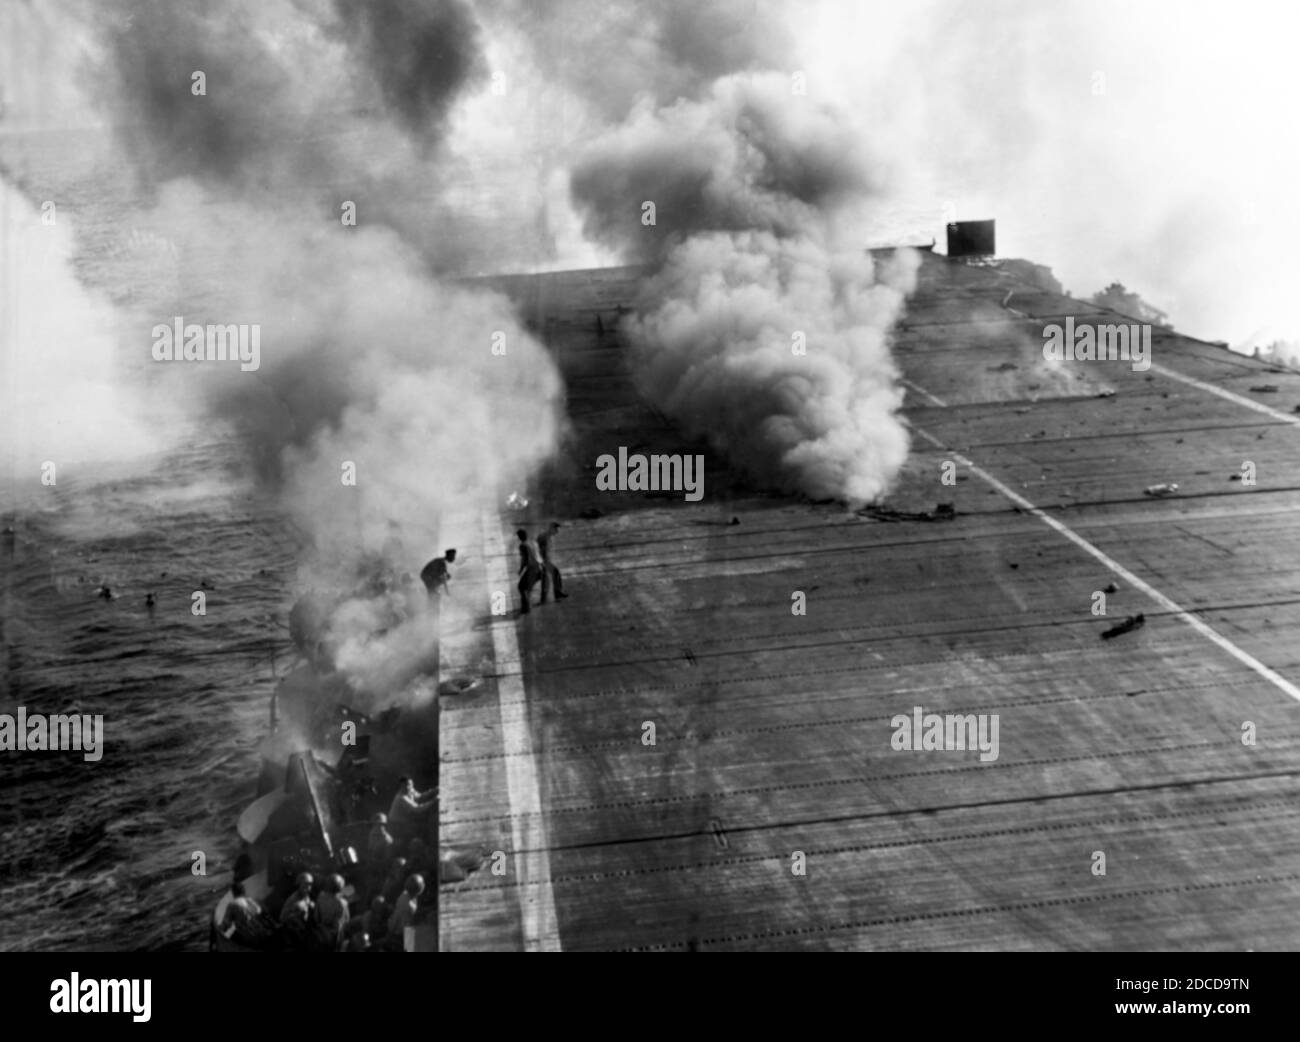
612	55
57	358
309	104
251	110
765	329
747	155
279	78
379	403
365	358
421	53
714	344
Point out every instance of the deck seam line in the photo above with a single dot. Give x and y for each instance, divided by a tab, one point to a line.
926	841
996	909
866	779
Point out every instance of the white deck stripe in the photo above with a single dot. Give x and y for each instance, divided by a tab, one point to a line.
1169	605
1238	399
921	390
532	862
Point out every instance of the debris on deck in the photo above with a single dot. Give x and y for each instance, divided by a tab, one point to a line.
1133	622
941	512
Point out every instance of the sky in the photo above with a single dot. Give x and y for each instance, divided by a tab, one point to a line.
1151	143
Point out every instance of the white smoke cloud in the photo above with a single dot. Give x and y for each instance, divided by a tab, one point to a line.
64	399
365	359
748	154
372	361
765	328
714	341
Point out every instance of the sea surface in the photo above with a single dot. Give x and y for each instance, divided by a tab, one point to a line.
101	855
131	851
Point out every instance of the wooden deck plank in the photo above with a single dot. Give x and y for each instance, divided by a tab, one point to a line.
773	730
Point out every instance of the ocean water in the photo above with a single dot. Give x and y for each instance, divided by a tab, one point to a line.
102	855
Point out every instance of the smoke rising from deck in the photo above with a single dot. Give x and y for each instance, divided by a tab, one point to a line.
1110	141
379	402
747	155
765	328
713	341
614	55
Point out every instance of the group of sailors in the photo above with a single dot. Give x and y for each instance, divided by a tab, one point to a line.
309	618
371	913
537	565
374	911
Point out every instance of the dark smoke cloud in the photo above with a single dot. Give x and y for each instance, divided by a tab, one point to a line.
422	53
310	103
239	130
713	344
765	327
347	313
282	80
614	54
745	156
369	358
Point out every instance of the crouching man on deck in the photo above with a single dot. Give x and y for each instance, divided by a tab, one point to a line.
436	574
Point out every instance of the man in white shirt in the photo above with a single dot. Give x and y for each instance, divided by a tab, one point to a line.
530	570
404	910
409	806
550	573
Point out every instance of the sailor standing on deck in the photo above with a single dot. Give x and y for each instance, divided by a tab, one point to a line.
550	572
380	843
332	913
530	570
298	912
404	911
